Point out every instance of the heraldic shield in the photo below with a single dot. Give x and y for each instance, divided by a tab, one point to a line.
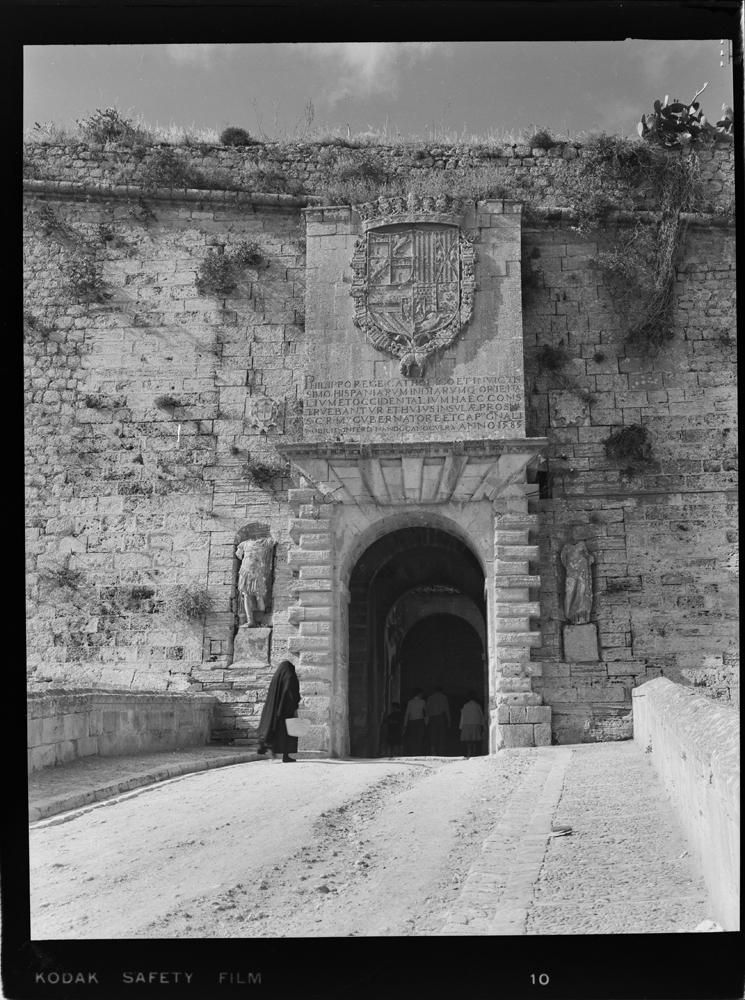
411	296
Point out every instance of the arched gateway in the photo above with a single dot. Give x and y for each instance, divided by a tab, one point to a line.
413	560
411	595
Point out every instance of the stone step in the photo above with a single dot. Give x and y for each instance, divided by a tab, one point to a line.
519	609
518	553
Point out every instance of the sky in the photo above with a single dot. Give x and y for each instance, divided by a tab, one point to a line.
422	89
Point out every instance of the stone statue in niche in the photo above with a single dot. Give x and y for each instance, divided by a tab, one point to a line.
255	576
577	561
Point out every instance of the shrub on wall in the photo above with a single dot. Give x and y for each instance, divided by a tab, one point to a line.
185	603
35	328
219	272
233	136
166	169
264	473
629	445
106	125
84	279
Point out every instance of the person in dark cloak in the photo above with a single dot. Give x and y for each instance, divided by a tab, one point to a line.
282	700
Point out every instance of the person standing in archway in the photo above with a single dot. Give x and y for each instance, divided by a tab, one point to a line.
438	721
415	724
282	700
471	725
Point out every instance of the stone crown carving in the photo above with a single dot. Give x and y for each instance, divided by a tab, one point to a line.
413	208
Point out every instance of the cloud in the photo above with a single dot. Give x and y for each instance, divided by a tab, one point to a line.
196	55
366	68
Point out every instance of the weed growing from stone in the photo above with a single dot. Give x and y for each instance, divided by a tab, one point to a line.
264	473
217	274
31	170
62	577
166	169
542	139
549	358
247	254
629	445
185	603
49	222
105	125
258	181
220	271
84	280
143	213
35	328
166	402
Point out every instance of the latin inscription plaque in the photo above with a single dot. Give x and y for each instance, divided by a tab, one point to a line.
378	409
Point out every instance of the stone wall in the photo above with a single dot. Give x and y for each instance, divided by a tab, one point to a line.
694	745
146	460
63	726
664	535
152	416
546	177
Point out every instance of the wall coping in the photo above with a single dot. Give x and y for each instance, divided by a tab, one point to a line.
708	730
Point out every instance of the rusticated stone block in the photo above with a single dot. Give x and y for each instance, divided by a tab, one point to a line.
542	734
538	713
516	735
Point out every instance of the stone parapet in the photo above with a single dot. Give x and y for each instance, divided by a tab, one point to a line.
694	745
64	726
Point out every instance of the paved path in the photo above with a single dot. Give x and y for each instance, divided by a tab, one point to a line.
484	828
625	867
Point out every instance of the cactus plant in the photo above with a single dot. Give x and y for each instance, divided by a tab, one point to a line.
676	124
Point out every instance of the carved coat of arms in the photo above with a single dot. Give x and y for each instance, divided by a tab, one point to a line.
262	413
413	278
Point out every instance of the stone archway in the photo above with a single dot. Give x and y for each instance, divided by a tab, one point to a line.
406	560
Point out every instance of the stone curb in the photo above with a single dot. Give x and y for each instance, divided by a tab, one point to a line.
74	800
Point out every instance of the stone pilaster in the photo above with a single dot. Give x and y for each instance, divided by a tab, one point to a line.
312	613
520	719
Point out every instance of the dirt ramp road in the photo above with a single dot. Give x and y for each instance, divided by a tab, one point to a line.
327	848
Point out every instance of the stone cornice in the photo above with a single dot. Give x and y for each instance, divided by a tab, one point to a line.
481	447
77	189
625	217
429	472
